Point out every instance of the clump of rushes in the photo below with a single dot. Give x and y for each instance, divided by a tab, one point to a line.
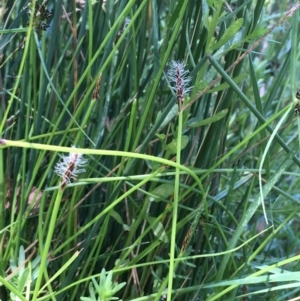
69	167
179	79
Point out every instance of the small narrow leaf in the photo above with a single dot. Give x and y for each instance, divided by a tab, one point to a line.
116	216
22	280
158	229
224	86
169	117
193	123
153	165
228	34
257	33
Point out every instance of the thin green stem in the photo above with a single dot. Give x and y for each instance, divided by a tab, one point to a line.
45	251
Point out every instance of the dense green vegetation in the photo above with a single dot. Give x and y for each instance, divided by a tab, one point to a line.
149	150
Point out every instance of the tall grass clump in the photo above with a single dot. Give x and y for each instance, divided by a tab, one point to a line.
149	150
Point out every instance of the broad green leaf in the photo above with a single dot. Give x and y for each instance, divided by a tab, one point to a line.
126	227
172	146
193	123
228	34
161	136
163	191
224	86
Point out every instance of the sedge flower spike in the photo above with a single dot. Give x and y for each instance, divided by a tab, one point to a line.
69	167
179	79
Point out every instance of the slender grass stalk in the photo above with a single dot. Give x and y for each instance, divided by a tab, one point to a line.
45	248
264	156
173	246
97	152
2	209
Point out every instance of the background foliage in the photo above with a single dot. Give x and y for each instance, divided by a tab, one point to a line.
170	201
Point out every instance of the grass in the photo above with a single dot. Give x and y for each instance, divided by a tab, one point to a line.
183	112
